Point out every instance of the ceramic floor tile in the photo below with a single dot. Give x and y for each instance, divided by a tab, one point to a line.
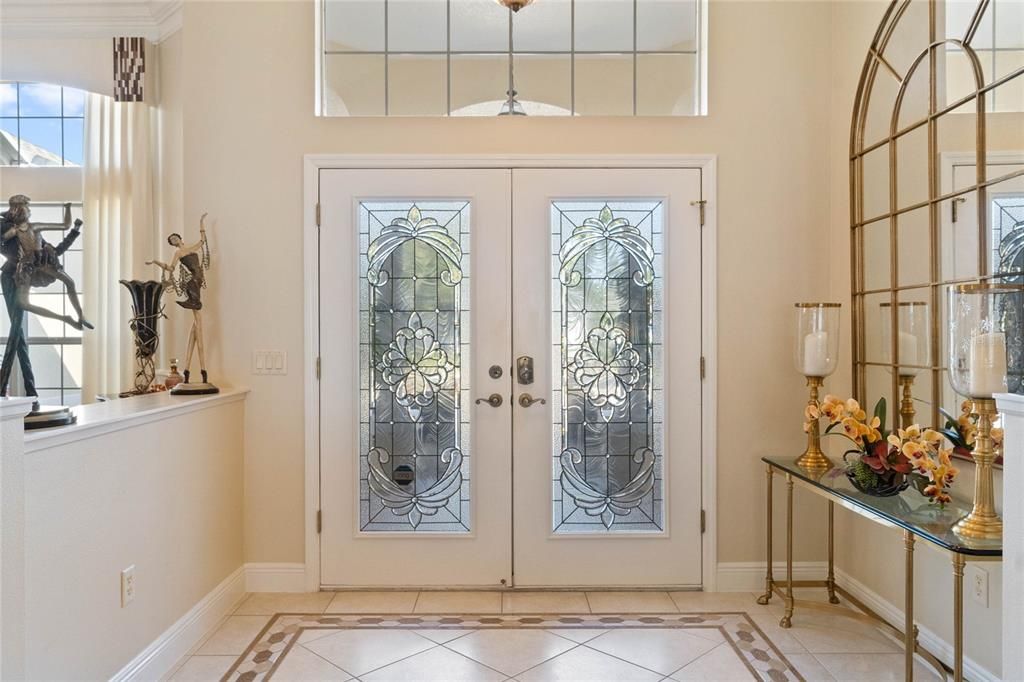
721	664
269	603
459	602
436	665
372	602
302	665
314	634
631	602
826	634
578	635
877	667
780	637
203	669
511	651
233	636
663	650
581	664
544	602
810	667
360	651
710	602
442	635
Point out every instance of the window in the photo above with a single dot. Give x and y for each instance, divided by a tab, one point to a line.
466	57
54	347
41	125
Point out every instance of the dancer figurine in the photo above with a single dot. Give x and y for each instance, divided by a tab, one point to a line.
192	262
32	262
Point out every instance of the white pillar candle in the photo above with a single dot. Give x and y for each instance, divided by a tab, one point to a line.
908	354
988	365
816	354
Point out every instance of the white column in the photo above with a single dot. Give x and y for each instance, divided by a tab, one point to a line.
1012	409
12	537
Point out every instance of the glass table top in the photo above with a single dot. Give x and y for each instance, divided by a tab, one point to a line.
908	510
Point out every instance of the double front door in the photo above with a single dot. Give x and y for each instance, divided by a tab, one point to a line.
510	377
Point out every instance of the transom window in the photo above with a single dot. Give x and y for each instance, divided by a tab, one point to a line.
41	125
463	57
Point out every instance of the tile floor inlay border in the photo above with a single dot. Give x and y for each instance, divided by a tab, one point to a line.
264	655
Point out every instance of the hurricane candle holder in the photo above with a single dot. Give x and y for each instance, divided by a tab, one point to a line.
816	355
977	369
908	350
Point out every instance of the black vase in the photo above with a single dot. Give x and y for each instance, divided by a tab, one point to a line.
147	310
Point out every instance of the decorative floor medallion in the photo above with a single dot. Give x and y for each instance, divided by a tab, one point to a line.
271	647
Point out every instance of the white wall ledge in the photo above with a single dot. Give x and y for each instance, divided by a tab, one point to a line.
97	419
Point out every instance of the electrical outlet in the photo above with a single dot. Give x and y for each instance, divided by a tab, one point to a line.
127	586
977	583
269	362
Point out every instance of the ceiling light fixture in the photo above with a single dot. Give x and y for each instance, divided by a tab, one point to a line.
514	5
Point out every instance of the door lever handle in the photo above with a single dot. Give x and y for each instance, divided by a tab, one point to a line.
525	400
494	400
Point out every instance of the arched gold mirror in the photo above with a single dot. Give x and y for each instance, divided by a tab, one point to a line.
937	190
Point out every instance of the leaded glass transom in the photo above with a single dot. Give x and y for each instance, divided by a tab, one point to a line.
607	354
414	350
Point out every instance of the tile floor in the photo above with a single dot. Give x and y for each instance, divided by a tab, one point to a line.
819	645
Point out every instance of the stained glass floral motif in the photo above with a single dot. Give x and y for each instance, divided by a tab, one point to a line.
607	367
415	366
606	459
414	343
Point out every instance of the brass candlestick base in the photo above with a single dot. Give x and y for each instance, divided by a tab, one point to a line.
813	457
907	412
983	523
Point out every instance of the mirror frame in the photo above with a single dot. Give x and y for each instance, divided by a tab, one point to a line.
877	65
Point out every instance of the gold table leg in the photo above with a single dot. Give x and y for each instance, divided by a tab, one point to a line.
768	578
958	616
909	635
831	579
787	619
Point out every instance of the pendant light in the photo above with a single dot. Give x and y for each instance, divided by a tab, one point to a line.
514	5
512	107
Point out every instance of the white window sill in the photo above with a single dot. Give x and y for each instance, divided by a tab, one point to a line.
114	415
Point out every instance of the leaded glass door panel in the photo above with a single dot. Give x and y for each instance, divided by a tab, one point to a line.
415	471
607	291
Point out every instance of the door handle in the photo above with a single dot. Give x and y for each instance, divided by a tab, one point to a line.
494	400
525	400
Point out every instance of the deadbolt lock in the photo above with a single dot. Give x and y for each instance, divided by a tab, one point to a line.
495	371
524	370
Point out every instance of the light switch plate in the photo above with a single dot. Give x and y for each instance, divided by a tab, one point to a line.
269	362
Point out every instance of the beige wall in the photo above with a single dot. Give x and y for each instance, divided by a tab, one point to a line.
249	93
863	547
164	496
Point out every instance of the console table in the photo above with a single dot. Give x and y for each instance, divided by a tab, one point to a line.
907	511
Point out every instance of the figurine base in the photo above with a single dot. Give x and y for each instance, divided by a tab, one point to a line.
194	389
48	417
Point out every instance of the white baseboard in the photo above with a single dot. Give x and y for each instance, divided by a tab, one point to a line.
927	638
275	578
159	658
748	576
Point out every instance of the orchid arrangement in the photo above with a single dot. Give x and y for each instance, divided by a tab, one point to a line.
963	430
887	459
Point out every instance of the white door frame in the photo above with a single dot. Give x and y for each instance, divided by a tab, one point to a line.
706	163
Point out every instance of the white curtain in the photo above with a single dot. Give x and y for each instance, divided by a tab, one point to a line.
118	233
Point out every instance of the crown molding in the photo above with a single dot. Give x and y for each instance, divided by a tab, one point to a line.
57	19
